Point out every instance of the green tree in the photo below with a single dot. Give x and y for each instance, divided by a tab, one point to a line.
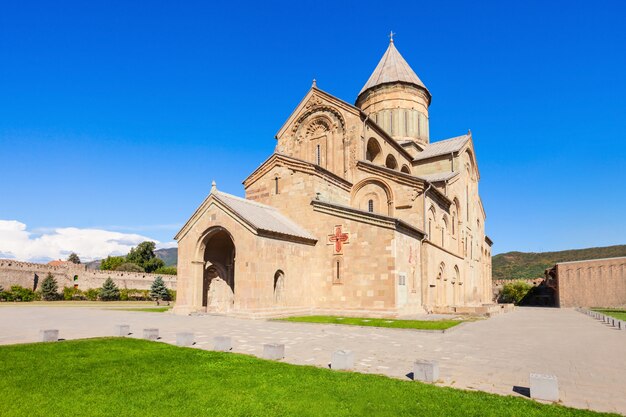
153	264
514	292
109	291
49	288
129	267
158	290
112	262
142	253
73	258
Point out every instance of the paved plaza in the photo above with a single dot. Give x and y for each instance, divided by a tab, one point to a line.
493	355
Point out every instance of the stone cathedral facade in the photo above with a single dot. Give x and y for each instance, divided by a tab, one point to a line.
357	211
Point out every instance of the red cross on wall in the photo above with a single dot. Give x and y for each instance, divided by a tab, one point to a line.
338	239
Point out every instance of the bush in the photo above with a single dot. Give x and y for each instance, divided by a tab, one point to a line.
166	270
109	291
71	293
49	288
92	294
514	292
129	267
172	294
19	293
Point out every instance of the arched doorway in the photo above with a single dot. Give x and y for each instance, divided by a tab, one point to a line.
218	283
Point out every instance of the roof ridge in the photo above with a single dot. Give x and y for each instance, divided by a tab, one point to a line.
245	200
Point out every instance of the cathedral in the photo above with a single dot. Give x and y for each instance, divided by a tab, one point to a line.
355	212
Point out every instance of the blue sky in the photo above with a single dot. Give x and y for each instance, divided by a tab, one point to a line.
116	116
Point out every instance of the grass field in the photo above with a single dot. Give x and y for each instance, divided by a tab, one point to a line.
146	309
115	376
618	314
396	324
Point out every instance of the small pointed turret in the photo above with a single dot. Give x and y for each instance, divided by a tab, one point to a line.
395	97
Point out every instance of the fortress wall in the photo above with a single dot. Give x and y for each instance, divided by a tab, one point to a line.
593	283
30	275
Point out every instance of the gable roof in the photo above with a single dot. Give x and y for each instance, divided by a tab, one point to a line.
442	147
262	217
392	68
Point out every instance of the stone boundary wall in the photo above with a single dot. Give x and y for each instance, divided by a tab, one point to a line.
30	275
592	283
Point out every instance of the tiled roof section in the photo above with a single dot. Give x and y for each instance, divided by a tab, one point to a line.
262	217
442	147
440	176
392	68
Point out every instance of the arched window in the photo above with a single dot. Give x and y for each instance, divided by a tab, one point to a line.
279	286
373	150
370	206
390	162
405	169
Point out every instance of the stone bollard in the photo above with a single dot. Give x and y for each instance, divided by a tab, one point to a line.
425	371
49	335
273	351
544	387
122	330
184	339
222	343
151	334
342	359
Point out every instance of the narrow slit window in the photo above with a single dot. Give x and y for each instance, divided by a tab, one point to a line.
370	206
318	155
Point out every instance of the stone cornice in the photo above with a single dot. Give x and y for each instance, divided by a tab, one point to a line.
296	165
443	249
373	219
390	174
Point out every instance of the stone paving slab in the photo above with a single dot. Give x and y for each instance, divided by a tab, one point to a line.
491	355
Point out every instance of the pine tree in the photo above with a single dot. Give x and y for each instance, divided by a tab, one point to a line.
73	258
158	290
49	288
109	291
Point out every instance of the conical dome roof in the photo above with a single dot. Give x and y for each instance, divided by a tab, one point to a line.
392	68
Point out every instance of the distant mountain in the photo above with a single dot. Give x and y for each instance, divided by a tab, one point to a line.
169	256
521	265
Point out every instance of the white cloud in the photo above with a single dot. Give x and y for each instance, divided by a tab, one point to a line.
17	242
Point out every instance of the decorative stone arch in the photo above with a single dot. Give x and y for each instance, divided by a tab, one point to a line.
373	151
444	230
391	162
405	169
376	190
215	273
318	133
459	299
441	285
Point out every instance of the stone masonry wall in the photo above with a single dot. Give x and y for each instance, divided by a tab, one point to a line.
593	283
30	275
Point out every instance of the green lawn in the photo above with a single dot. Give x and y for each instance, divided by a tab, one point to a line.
116	376
396	324
146	309
618	314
